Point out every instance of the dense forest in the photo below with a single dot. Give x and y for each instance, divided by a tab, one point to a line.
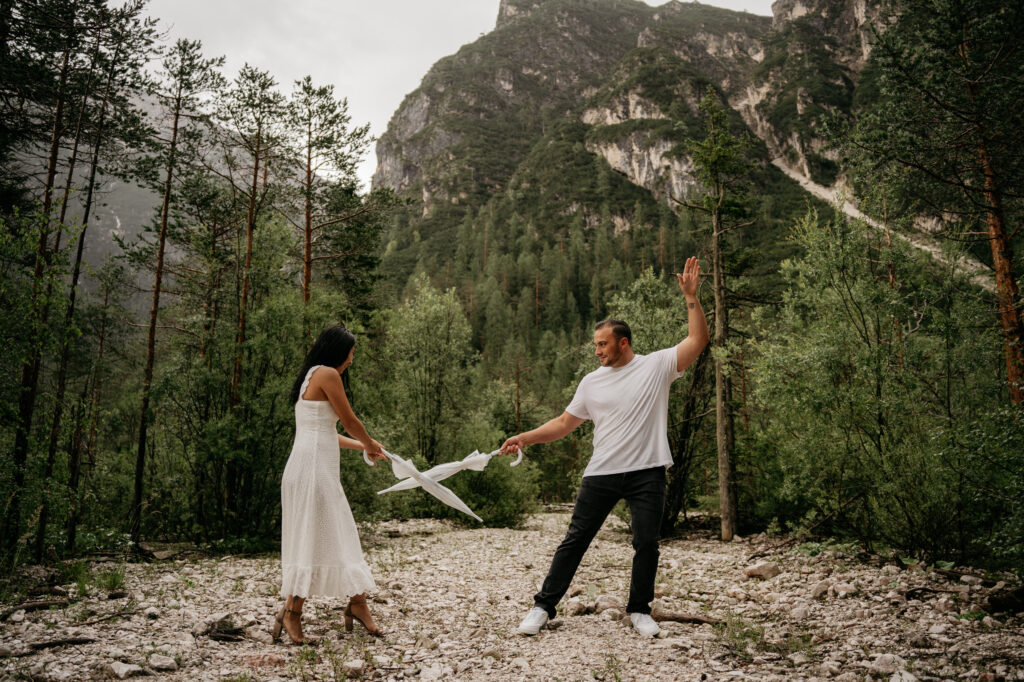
857	387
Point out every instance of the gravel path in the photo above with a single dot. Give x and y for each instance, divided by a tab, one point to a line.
450	599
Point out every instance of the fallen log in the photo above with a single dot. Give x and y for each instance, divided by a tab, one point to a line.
33	606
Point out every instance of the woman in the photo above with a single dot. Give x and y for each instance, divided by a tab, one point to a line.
320	552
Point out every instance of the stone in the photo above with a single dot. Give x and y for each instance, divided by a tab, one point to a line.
491	653
612	614
970	580
18	616
799	658
844	590
574	607
608	601
161	662
123	671
6	651
820	589
937	629
152	613
919	640
799	613
902	676
764	570
886	664
990	622
832	668
521	663
353	668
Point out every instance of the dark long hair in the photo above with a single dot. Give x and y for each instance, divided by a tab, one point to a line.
330	349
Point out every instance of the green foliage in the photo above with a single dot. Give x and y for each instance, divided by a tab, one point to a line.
866	376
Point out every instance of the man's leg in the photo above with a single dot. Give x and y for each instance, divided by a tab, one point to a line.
645	493
597	496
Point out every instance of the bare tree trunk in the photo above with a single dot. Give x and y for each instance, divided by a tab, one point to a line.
723	387
147	381
250	226
62	371
75	459
40	311
1007	292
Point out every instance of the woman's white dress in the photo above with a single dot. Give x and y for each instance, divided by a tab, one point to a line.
320	551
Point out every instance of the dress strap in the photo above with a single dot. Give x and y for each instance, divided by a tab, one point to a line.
305	382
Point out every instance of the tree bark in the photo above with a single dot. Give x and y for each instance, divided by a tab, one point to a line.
40	311
250	226
723	385
147	381
62	371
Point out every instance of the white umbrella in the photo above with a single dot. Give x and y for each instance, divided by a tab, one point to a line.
477	461
428	480
405	469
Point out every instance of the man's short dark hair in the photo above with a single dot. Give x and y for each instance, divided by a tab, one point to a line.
619	328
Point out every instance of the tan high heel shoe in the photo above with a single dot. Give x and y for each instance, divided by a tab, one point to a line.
275	631
349	616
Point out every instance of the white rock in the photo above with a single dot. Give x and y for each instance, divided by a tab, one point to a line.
937	629
152	613
970	580
990	622
799	658
18	616
764	570
612	614
844	590
123	671
799	613
608	601
353	668
573	607
886	664
902	676
820	589
160	662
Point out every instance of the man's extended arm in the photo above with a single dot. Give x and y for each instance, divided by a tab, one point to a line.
559	427
690	348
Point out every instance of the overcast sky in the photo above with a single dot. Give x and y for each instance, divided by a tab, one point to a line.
373	51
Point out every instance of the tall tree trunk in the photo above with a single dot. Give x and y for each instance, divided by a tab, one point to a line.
75	456
1007	292
69	314
723	386
40	311
147	380
250	226
307	252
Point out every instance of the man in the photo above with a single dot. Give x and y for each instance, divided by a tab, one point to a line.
627	399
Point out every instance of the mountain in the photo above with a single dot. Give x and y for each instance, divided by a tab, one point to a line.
571	114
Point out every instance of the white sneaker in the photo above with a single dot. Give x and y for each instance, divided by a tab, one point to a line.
644	624
534	621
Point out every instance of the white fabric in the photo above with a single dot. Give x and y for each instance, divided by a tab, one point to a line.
476	461
320	551
629	408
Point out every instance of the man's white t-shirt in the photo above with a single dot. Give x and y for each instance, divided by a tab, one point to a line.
629	408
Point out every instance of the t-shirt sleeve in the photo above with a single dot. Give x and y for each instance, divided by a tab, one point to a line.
578	406
667	360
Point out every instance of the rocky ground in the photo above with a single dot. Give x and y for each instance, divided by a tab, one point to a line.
450	599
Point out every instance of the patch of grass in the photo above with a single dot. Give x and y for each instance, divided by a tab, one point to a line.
745	640
111	578
612	669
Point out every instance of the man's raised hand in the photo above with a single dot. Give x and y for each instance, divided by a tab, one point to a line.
690	277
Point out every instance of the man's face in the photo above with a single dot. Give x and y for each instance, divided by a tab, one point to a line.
607	348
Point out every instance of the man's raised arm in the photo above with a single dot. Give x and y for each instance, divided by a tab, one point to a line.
690	348
559	427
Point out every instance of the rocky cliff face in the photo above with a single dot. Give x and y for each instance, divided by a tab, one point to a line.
633	74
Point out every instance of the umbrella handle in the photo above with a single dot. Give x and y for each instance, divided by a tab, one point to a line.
366	458
518	459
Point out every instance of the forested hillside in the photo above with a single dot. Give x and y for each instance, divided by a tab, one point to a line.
553	172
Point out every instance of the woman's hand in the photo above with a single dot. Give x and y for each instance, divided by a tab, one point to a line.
374	450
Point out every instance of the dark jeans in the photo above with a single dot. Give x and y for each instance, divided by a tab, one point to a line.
644	491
